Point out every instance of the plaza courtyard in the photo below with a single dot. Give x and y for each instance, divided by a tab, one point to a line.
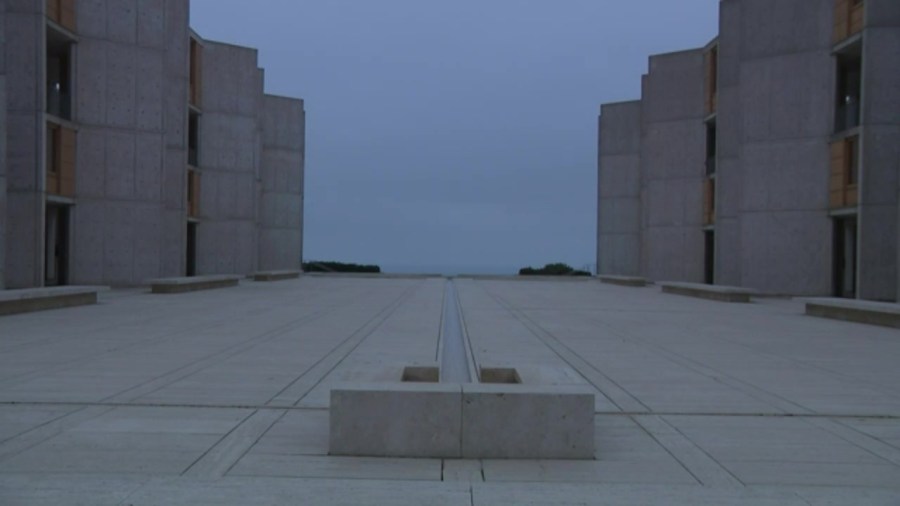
221	397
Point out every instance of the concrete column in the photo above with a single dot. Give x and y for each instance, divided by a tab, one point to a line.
878	211
281	202
619	190
24	50
673	167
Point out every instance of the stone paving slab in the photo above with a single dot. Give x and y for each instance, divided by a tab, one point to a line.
220	397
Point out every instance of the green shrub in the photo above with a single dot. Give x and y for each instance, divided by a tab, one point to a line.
557	269
318	266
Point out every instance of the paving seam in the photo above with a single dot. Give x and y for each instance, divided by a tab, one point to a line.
37	435
697	461
700	414
338	350
231	448
772	399
866	442
595	378
851	379
162	381
158	339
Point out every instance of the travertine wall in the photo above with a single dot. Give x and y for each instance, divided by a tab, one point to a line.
619	187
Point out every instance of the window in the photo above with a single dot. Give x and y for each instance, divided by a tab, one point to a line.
849	88
851	164
62	12
711	148
59	75
194	139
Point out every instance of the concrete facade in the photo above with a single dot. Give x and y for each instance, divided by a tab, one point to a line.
2	144
98	101
619	187
672	167
773	222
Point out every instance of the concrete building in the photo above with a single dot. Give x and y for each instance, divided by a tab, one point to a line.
136	150
768	159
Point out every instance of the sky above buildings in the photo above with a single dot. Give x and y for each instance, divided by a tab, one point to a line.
454	136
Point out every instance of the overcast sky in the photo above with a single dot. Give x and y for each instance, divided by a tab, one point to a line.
454	135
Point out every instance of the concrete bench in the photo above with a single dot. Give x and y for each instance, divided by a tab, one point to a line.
623	280
860	311
275	275
40	299
470	421
711	292
192	284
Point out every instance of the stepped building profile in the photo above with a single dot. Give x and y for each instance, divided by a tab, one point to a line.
768	159
131	148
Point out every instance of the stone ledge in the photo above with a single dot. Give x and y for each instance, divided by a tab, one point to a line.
623	280
275	275
192	284
40	299
719	293
468	421
885	314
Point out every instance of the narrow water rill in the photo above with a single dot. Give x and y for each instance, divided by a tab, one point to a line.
454	357
455	409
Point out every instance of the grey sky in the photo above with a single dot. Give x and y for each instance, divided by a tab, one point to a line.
454	135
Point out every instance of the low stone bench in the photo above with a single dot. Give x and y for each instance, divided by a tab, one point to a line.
623	280
275	275
470	421
192	284
860	311
40	299
711	292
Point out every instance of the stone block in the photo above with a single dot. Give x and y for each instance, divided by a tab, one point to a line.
633	281
395	420
872	313
41	299
192	284
711	292
275	275
527	422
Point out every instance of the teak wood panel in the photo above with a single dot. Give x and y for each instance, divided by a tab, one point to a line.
842	193
62	12
709	202
849	19
61	161
196	76
710	65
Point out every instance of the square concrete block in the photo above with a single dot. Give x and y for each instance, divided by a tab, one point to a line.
527	422
395	420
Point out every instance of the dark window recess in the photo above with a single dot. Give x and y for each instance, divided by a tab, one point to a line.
194	140
849	86
852	167
59	77
711	148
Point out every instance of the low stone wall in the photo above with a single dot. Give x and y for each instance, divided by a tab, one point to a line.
470	421
275	275
711	292
41	299
884	314
192	284
623	280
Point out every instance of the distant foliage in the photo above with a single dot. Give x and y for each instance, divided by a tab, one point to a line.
317	266
558	269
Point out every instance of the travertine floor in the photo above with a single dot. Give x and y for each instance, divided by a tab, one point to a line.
220	397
